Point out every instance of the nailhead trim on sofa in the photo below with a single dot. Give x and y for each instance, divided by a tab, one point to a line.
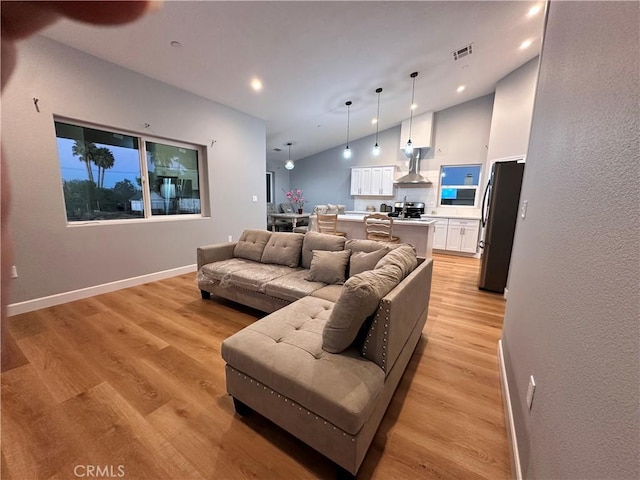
285	399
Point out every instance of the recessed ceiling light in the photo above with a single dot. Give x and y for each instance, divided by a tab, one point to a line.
256	84
460	88
176	44
534	10
374	121
525	44
413	106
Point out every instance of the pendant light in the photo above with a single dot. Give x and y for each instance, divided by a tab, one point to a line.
376	147
409	148
289	163
347	151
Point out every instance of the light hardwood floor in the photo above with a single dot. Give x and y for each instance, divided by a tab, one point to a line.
133	382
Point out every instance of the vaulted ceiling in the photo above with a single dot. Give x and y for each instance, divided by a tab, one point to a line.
312	57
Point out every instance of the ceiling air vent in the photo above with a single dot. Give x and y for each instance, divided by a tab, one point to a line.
463	52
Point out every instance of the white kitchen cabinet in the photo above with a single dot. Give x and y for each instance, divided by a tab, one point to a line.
462	235
382	181
361	181
372	181
356	179
421	129
440	233
376	181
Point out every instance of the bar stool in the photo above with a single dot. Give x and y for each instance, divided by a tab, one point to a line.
379	227
328	223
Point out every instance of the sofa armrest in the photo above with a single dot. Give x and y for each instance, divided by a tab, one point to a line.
397	315
215	253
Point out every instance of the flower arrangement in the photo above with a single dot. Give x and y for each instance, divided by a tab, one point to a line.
296	198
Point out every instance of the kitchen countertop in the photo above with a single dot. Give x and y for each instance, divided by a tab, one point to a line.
359	217
416	231
426	215
457	217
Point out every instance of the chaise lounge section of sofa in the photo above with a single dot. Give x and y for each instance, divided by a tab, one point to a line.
325	363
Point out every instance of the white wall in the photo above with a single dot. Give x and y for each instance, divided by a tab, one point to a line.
572	317
461	135
52	257
512	109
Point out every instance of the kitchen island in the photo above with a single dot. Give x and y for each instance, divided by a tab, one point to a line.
415	231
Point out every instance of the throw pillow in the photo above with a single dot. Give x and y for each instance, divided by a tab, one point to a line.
319	241
359	299
251	244
360	245
328	267
404	257
362	261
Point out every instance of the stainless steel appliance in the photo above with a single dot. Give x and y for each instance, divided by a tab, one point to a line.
499	215
413	177
407	209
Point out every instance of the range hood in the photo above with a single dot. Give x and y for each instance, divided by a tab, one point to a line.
413	177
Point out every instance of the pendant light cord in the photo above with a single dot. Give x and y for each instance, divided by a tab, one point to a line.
413	91
348	104
378	91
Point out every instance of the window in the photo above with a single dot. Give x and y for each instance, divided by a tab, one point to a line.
105	175
173	179
459	185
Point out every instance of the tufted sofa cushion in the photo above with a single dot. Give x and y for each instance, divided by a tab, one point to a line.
251	244
257	277
293	286
283	249
221	271
284	350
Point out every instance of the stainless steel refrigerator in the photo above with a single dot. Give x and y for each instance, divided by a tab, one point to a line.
499	214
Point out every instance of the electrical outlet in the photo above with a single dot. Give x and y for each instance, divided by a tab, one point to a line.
14	271
230	238
530	391
523	209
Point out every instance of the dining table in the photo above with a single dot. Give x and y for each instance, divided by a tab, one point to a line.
293	217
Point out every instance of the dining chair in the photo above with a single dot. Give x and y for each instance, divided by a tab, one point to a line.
279	223
328	223
380	228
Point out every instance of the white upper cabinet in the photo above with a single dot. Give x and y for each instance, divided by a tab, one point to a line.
421	131
356	174
372	181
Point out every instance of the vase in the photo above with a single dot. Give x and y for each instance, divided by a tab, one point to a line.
300	211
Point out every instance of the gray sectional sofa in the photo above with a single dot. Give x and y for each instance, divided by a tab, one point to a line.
346	318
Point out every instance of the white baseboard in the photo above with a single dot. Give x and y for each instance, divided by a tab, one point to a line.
516	470
59	298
